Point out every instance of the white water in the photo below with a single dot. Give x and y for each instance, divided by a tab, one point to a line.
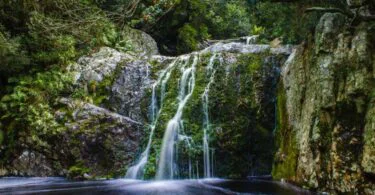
167	166
208	162
136	171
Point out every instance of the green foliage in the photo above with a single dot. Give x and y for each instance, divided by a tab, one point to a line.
257	30
50	33
28	110
197	20
287	20
55	36
231	20
12	57
188	38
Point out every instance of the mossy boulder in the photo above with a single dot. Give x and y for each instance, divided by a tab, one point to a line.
138	42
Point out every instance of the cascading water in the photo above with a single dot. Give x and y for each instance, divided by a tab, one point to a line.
167	168
136	171
251	39
208	166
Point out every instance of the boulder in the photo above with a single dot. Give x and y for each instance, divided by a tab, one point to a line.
140	42
99	65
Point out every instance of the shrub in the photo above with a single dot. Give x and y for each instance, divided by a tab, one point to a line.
29	109
12	57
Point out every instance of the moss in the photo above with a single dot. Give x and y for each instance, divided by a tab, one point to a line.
285	162
77	171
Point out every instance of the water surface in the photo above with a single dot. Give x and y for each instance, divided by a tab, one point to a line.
13	185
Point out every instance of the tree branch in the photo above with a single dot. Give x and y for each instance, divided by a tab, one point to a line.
330	10
348	13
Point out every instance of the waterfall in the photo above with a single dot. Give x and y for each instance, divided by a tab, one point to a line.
208	168
167	168
173	161
136	171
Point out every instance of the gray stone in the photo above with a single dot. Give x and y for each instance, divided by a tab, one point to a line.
330	25
129	90
98	65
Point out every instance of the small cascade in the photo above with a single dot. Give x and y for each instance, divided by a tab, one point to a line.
207	159
167	167
182	137
251	39
136	171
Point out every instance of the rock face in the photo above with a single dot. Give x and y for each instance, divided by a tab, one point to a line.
128	90
326	111
31	163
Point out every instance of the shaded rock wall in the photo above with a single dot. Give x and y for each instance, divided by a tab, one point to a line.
326	110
